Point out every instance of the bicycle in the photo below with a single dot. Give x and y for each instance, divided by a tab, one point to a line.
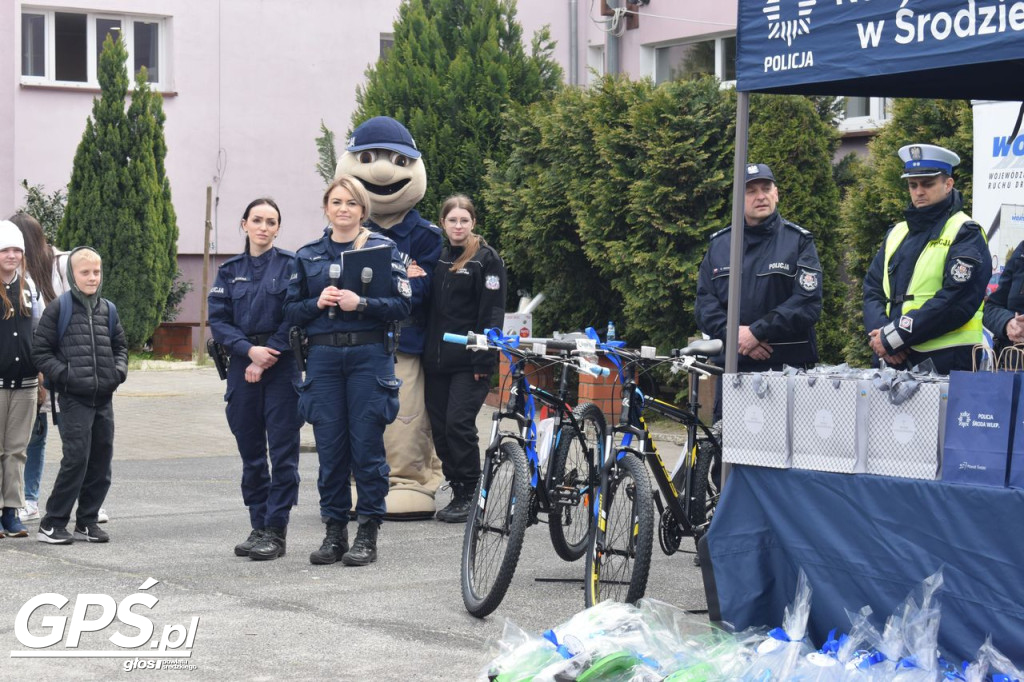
514	488
618	562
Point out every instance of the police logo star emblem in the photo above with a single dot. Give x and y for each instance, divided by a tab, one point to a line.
492	282
808	280
787	26
961	271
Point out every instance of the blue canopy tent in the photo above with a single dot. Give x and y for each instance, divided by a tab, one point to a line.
946	49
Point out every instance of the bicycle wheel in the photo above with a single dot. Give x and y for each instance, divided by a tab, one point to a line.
703	496
620	556
573	478
495	530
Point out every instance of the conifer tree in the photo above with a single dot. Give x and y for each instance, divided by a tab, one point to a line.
119	198
454	68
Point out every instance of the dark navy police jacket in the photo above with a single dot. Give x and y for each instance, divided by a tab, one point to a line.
781	294
417	240
247	299
311	277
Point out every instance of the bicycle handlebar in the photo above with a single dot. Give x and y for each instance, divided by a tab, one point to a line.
473	339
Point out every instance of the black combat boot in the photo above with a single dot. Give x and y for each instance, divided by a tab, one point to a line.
243	548
334	546
457	510
364	549
271	546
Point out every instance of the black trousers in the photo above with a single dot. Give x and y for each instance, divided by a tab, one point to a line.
84	477
453	403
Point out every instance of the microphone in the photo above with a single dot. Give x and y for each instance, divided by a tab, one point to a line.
334	272
366	276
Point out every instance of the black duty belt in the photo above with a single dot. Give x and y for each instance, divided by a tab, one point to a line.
347	338
260	339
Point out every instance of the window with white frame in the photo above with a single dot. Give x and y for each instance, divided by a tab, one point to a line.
63	47
864	113
715	56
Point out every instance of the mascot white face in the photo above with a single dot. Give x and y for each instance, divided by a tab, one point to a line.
383	155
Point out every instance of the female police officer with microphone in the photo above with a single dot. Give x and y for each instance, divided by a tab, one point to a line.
247	319
350	392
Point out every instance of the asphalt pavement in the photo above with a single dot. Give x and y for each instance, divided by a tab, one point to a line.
176	513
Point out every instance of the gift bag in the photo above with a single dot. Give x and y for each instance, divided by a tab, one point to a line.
756	419
827	435
904	427
979	427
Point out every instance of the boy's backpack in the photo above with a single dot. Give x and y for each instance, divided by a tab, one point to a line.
64	306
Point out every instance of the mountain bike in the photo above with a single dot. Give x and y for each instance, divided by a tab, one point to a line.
618	562
515	487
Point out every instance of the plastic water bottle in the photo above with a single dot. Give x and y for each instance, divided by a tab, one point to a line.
611	331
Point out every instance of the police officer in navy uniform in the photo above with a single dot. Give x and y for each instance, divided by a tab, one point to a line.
350	392
1004	308
781	295
246	306
924	290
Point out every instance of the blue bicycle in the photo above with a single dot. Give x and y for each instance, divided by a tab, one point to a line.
515	488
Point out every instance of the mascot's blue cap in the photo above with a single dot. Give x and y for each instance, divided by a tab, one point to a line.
383	132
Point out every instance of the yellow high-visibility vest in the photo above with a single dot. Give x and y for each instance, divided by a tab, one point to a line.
926	281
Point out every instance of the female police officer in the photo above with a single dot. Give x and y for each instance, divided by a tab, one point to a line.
350	393
247	319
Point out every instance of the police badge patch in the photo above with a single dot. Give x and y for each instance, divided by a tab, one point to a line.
404	289
907	323
961	271
808	280
492	282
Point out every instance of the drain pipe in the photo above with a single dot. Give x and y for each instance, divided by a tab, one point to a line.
574	43
612	42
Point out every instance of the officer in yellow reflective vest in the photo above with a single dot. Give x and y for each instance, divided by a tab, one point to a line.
923	293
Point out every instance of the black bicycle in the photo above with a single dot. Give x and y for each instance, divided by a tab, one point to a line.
618	563
515	487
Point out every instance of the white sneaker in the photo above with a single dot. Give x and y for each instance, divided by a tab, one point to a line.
102	517
31	511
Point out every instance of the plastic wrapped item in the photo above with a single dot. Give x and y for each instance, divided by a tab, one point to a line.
778	655
1001	667
520	656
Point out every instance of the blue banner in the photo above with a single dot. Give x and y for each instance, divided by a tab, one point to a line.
954	48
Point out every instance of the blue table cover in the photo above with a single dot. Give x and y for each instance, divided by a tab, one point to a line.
871	540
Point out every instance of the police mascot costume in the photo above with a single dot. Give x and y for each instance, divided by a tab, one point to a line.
383	155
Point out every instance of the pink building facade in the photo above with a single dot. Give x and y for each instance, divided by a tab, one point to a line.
246	84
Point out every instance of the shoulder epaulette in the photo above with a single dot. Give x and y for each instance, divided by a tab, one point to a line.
720	232
286	252
797	228
231	260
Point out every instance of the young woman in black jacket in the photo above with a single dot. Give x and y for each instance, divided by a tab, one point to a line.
467	294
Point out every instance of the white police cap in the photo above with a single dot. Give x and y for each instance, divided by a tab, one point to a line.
927	160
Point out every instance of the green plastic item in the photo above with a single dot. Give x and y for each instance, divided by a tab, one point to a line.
606	666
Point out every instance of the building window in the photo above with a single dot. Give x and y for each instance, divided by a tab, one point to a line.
387	41
864	113
595	63
63	48
33	45
716	57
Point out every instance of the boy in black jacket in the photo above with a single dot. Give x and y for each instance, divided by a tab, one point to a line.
84	364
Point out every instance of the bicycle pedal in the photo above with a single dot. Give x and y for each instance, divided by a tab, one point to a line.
566	495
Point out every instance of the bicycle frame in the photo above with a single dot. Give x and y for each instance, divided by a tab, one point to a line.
522	410
676	495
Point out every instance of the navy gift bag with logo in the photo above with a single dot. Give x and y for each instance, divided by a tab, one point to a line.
979	427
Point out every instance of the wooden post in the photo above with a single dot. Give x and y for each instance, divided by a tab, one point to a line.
206	275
